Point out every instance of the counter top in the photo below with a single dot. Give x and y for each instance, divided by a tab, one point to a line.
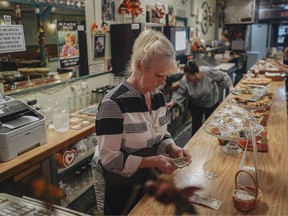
225	66
208	156
55	142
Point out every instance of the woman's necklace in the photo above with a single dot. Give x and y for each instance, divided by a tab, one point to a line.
148	100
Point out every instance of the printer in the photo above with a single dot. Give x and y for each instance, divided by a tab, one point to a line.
21	128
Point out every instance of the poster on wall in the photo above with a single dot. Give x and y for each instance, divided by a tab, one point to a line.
99	45
68	44
156	13
108	10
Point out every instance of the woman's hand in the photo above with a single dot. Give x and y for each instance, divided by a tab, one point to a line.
169	105
175	151
160	162
231	88
165	164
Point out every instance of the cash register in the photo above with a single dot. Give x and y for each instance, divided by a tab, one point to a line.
27	206
21	128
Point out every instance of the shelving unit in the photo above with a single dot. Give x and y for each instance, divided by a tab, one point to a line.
81	186
78	160
77	193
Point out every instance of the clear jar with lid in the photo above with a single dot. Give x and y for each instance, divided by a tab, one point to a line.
101	93
94	95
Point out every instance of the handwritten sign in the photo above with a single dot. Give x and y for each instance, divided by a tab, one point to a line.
97	67
7	20
12	39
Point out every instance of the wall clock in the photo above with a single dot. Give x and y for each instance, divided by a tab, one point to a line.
205	18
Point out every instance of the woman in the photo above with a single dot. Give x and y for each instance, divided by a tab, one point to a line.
131	126
198	45
201	86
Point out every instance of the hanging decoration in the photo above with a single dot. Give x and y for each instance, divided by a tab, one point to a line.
18	15
132	7
94	27
104	25
42	43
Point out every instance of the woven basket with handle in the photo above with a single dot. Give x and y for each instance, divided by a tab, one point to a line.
246	198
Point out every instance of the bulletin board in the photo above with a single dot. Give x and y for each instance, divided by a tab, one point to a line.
239	11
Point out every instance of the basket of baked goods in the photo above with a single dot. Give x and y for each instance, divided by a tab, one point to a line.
247	102
275	76
246	197
251	97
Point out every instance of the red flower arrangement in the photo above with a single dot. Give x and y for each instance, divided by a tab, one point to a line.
132	7
166	192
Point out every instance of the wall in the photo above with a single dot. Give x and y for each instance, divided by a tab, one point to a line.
93	13
29	23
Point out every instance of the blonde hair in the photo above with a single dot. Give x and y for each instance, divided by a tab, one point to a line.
72	37
152	47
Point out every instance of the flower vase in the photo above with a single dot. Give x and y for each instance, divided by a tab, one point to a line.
133	18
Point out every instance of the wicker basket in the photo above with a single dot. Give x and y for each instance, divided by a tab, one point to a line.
246	198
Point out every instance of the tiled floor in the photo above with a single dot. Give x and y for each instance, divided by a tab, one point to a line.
184	136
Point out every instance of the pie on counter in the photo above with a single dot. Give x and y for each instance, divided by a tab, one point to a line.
30	71
256	81
243	101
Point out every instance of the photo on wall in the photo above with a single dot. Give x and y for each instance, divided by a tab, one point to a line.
99	45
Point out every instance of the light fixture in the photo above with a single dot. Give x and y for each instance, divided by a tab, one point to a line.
52	25
36	10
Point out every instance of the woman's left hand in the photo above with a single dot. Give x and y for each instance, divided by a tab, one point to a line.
175	151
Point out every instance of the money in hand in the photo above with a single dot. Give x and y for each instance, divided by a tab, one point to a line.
205	200
180	162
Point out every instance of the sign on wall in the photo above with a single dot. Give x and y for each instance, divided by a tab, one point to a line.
239	11
68	45
12	38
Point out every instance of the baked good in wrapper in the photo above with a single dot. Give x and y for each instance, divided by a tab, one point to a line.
232	123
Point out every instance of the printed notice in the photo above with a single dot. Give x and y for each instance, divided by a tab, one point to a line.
12	39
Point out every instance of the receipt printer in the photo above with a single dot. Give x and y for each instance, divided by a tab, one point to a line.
21	129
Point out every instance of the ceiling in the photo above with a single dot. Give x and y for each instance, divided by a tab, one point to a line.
58	6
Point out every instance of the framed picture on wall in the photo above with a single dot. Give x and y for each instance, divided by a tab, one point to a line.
99	45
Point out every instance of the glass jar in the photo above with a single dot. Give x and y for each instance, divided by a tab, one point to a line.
100	95
94	95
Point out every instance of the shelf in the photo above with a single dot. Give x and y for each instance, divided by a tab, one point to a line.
78	159
65	81
77	193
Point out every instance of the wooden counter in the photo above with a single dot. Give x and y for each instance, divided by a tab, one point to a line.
55	142
207	156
